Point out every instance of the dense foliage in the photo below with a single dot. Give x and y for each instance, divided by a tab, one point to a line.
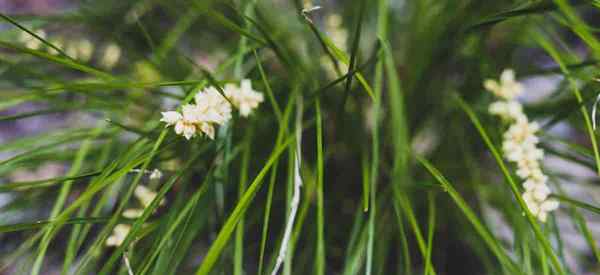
370	148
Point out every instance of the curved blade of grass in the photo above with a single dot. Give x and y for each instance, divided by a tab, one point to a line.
58	60
404	203
354	55
217	246
137	226
183	24
579	26
479	227
430	230
27	185
38	113
579	220
320	257
269	91
405	252
521	10
552	51
341	56
239	234
577	203
184	214
79	232
266	216
25	29
60	202
38	224
512	184
225	22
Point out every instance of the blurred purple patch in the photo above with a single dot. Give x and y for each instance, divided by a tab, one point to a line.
40	7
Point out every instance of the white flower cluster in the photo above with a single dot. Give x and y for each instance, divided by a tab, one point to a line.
520	144
145	196
212	108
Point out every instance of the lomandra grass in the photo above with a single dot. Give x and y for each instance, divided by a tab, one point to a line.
300	137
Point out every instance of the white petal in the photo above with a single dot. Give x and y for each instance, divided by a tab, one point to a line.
491	85
208	129
171	117
133	213
189	131
179	126
231	90
191	113
529	185
85	49
550	205
111	55
542	216
541	191
507	76
246	85
245	110
156	174
144	195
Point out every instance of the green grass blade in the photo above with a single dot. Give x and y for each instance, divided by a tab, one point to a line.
320	263
217	247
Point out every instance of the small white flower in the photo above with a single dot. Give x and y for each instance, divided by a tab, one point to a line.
110	56
214	105
30	41
541	192
244	98
208	130
156	174
199	118
71	51
549	205
526	168
531	203
523	132
542	216
145	195
507	88
133	213
509	110
57	43
85	49
171	117
186	129
118	235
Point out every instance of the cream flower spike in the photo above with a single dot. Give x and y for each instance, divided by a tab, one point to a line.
508	88
520	144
